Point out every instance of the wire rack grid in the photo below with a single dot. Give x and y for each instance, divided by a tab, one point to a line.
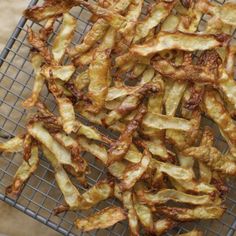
41	194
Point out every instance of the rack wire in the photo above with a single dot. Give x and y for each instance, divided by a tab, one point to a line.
41	194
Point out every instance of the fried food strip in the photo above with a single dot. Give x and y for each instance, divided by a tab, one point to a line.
119	148
213	158
198	187
166	195
177	88
128	203
173	99
220	184
174	171
155	101
186	161
52	8
117	169
37	61
92	133
74	200
133	155
226	12
102	219
181	41
99	192
159	121
192	233
157	147
127	61
44	111
133	173
91	117
215	109
138	70
66	90
147	77
205	173
183	176
117	192
194	73
70	90
229	62
120	91
192	99
25	170
87	131
104	4
13	145
159	12
97	150
63	73
107	43
116	20
174	96
171	23
67	113
97	31
163	225
194	93
98	74
56	122
146	218
81	81
72	145
215	25
69	191
155	142
132	16
227	86
130	103
45	32
27	146
190	22
65	107
43	136
144	214
185	214
64	37
181	139
39	44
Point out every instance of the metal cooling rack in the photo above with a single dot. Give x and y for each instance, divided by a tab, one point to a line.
41	194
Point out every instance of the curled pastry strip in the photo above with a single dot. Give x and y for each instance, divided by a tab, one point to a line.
130	103
49	9
215	109
181	41
119	148
166	195
186	214
25	170
102	219
13	145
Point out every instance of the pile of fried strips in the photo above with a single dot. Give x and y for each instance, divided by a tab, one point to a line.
148	73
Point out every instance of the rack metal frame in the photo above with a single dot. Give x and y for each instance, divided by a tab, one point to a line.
41	194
